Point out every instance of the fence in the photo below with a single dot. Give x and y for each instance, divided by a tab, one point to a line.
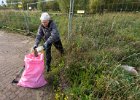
82	15
28	20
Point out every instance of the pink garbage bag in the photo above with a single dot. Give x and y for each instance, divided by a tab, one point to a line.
32	76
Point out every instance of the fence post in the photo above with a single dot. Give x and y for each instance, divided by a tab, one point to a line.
26	16
70	18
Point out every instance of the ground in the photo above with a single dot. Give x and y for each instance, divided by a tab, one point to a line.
13	48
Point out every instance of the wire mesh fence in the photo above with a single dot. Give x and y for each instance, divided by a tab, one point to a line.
28	20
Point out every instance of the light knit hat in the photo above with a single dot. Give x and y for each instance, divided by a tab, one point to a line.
45	16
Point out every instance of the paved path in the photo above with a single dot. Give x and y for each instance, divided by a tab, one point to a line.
13	47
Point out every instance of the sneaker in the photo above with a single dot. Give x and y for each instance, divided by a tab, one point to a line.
62	53
15	81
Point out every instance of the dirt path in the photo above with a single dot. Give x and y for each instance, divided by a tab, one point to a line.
13	47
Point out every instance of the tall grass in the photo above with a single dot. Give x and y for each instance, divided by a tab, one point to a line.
97	48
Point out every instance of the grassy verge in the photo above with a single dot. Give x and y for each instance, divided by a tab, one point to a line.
91	66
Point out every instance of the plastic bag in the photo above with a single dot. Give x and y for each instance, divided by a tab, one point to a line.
32	76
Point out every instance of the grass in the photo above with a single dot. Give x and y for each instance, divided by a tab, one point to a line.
99	44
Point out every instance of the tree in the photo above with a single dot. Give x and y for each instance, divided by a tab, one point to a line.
13	3
64	5
81	5
28	2
24	3
96	6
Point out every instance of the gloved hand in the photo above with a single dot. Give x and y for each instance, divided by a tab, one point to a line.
47	43
43	47
34	47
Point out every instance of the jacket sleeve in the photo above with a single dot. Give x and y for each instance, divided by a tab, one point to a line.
54	33
39	36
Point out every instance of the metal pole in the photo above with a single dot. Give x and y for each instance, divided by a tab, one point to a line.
70	18
27	6
26	20
69	22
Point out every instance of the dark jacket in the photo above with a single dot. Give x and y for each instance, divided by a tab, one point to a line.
50	33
